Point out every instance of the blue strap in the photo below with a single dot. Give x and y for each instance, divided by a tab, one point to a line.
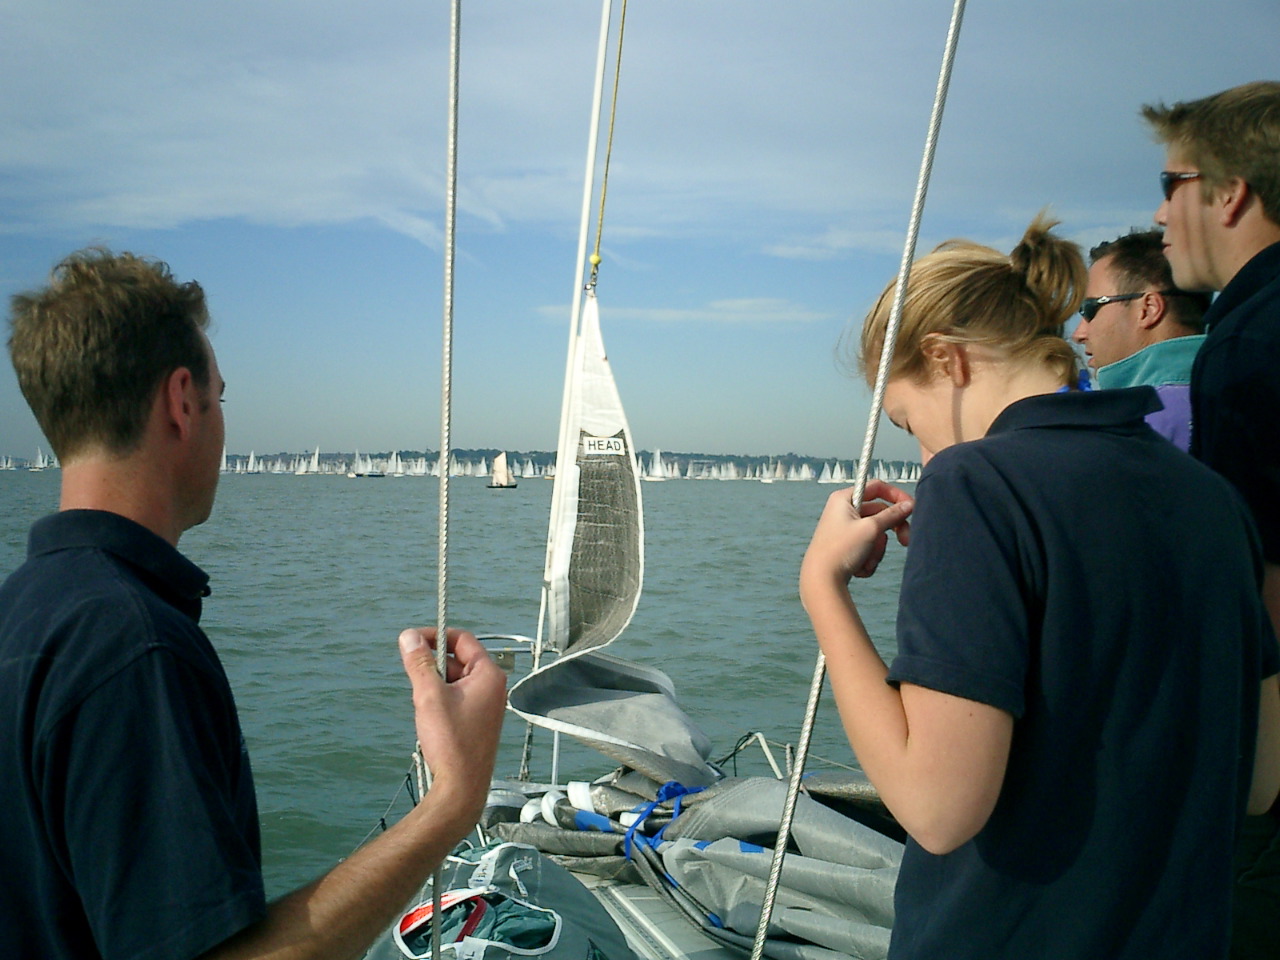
671	790
1083	384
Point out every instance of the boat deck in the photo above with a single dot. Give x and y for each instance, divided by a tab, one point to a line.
654	929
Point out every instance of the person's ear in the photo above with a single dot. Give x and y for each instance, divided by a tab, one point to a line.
946	359
180	397
1154	306
1233	199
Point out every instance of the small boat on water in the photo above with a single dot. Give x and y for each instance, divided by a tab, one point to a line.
363	467
502	477
657	469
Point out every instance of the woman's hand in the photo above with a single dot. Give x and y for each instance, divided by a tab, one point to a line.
851	543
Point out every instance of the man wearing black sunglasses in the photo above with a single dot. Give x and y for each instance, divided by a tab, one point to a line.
1221	214
1138	329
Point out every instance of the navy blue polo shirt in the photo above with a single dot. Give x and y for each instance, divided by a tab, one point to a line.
129	826
1235	391
1078	571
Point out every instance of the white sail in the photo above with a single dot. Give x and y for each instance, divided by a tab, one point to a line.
592	580
595	553
657	469
502	476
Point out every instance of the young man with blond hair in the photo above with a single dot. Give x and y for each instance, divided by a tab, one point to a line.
130	824
1221	219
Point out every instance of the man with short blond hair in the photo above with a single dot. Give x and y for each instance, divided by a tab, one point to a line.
1138	329
1221	219
130	824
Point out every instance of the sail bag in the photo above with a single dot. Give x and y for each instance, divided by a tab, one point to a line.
506	901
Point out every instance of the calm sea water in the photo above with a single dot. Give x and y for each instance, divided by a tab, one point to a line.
314	577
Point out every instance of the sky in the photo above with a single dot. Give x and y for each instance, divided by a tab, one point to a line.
290	155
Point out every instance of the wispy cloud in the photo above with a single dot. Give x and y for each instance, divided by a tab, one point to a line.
837	242
733	121
762	310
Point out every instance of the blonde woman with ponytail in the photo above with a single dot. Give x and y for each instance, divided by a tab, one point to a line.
1068	728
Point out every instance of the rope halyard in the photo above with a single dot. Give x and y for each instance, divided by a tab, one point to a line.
446	373
446	415
608	150
864	463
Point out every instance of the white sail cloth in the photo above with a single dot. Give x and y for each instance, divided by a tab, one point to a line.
627	711
836	895
592	580
595	548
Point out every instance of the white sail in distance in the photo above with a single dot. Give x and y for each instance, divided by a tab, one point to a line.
502	475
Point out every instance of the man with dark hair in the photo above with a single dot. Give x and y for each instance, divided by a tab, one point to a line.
1138	329
1221	219
130	824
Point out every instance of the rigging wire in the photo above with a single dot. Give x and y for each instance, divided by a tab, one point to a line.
446	412
860	483
446	373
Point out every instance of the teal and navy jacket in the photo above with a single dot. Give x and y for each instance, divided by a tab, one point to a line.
1167	367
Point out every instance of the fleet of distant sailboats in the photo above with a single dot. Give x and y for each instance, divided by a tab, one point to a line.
41	461
505	473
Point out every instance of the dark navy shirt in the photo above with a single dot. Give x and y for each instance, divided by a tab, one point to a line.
1076	570
1235	391
129	826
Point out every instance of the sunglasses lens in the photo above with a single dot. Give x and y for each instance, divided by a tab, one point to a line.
1089	309
1169	181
